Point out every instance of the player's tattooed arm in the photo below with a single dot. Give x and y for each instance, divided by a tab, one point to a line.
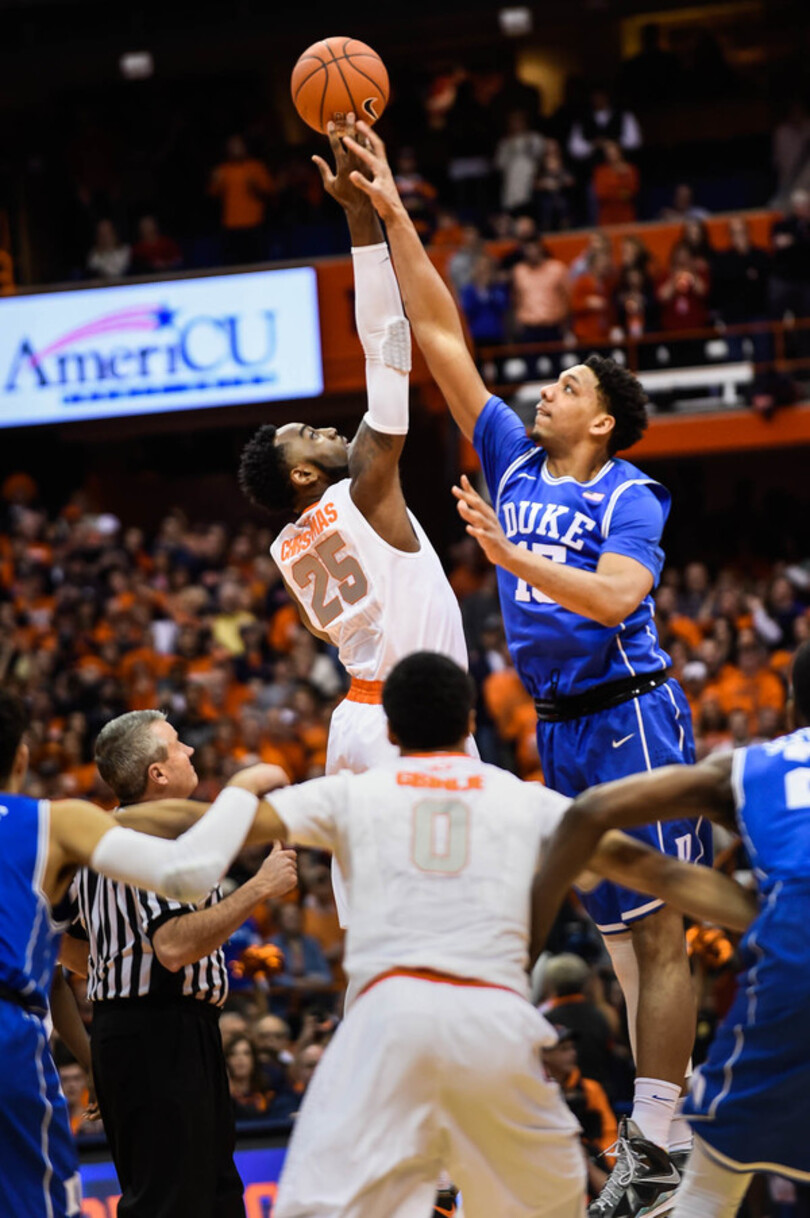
669	793
376	488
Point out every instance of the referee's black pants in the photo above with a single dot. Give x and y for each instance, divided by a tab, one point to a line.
163	1092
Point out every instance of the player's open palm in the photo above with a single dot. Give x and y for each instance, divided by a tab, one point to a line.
481	521
278	873
377	180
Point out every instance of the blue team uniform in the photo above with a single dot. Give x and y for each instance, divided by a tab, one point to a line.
38	1163
750	1100
562	655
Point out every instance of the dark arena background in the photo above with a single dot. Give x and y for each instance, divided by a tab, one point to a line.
173	275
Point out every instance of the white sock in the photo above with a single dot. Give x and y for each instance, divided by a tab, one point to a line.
709	1190
654	1102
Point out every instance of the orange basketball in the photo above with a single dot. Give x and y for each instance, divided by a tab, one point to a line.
335	76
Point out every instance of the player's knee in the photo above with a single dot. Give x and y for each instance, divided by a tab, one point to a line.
659	940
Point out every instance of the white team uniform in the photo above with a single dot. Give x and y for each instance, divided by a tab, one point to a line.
377	604
437	1064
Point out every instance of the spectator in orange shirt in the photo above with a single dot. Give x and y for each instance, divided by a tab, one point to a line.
615	185
541	294
752	685
243	186
592	299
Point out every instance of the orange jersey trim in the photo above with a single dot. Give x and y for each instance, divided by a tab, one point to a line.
369	692
430	974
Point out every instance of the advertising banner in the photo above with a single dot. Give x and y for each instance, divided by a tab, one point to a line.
260	1170
168	345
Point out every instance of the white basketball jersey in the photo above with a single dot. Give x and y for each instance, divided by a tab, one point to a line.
377	604
438	852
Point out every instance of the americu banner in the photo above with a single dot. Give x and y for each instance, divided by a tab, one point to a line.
177	344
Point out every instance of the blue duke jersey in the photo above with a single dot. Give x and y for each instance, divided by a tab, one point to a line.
558	653
39	1175
29	938
621	511
771	784
750	1100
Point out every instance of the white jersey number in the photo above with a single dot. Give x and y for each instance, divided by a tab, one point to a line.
441	831
316	567
524	592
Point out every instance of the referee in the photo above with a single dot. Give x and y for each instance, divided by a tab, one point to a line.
157	980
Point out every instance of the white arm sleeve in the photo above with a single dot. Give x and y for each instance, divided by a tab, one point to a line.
386	338
188	868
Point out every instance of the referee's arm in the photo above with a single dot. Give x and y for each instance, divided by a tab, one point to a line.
190	937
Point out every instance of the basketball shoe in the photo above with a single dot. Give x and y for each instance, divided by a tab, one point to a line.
643	1182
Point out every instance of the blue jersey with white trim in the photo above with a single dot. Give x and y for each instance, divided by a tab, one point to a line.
29	938
771	784
620	511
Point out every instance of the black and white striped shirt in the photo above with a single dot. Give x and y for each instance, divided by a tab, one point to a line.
119	921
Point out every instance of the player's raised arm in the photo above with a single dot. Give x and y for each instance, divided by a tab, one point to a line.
670	793
386	338
185	869
428	302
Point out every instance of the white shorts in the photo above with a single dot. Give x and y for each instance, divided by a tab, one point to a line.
358	738
423	1076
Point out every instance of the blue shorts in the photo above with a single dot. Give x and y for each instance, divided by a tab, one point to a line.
642	734
750	1100
39	1168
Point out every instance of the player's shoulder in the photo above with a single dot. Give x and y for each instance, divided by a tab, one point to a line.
626	482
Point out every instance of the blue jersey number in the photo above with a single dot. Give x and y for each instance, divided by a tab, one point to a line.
524	592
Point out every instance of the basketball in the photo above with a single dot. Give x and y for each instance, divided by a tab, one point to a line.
336	76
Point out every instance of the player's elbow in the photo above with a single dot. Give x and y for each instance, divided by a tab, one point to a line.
189	880
170	957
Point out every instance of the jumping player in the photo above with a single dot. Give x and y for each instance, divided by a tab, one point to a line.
437	1063
357	562
41	845
750	1100
576	536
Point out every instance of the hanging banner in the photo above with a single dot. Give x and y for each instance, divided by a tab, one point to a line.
178	344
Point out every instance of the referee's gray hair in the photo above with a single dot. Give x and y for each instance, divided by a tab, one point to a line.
565	974
125	749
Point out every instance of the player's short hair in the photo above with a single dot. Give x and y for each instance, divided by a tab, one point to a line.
800	680
428	699
264	474
622	395
13	725
125	749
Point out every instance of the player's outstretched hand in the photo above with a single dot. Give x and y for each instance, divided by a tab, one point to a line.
278	873
259	779
481	521
338	183
377	180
